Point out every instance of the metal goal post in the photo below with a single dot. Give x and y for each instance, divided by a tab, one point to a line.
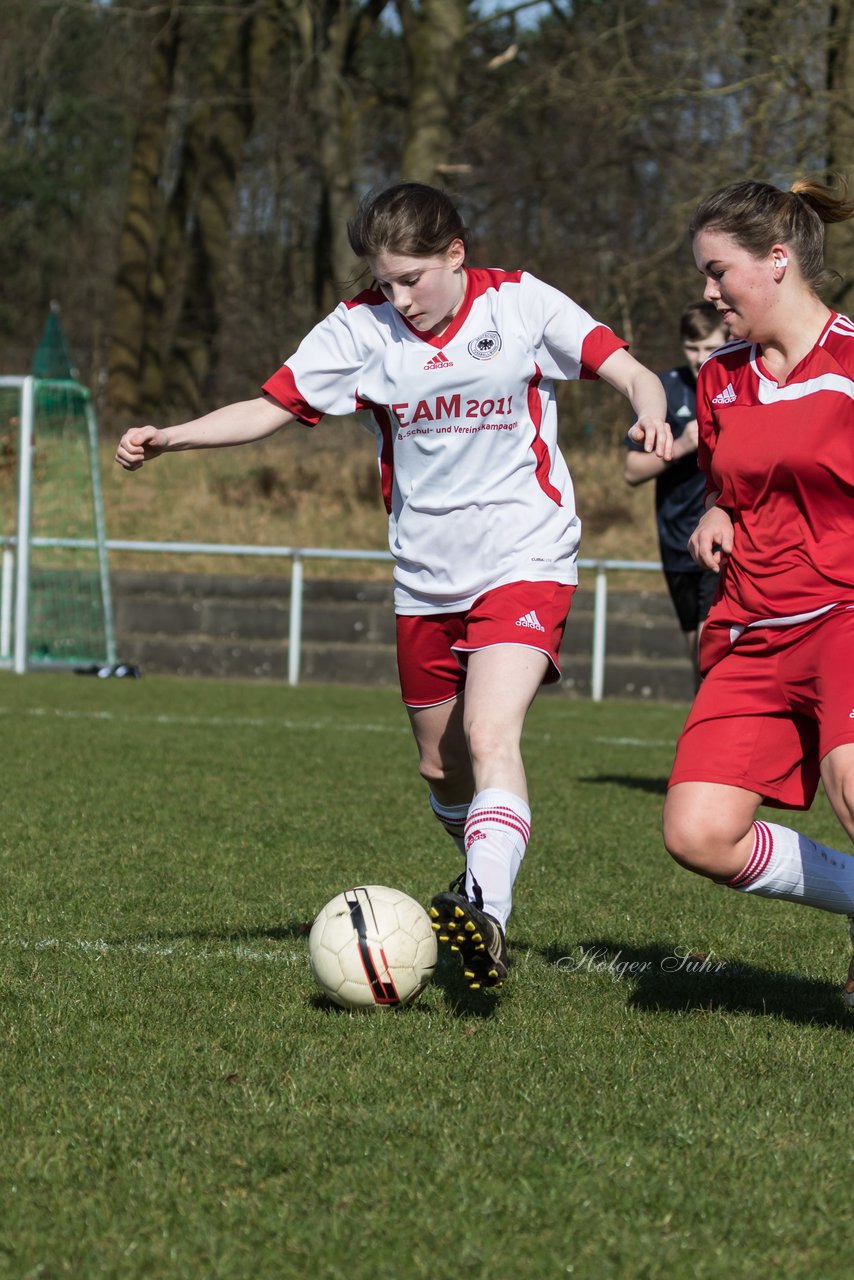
55	599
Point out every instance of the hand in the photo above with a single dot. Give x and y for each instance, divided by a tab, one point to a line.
655	435
687	442
138	445
711	542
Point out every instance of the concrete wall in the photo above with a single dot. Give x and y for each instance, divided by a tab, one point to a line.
236	626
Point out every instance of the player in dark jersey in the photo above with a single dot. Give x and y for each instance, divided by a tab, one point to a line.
775	406
680	484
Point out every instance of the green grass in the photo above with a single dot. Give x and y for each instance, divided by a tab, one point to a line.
178	1100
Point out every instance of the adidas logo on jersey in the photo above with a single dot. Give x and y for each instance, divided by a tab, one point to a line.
727	396
530	620
439	361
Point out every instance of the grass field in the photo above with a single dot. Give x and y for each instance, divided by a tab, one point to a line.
660	1091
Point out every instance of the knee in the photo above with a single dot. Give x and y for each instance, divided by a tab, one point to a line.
701	844
681	839
843	802
837	774
446	771
488	742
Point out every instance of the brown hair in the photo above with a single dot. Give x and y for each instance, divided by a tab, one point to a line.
409	218
758	215
698	320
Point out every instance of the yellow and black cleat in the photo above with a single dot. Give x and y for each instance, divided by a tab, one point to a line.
474	935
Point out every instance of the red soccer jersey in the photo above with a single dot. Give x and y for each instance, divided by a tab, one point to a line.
782	459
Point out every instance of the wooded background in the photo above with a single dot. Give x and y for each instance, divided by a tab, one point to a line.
177	174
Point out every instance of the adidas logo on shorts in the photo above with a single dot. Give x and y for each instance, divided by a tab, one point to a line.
530	620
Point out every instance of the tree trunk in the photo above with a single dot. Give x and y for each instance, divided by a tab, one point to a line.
434	35
758	22
840	145
196	243
139	244
331	33
334	261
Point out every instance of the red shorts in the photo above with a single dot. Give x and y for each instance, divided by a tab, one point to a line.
771	709
433	649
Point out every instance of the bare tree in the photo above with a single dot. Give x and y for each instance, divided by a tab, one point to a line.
840	142
134	347
201	212
196	116
331	34
237	136
434	33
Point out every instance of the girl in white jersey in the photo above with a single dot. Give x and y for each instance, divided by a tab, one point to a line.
775	409
456	368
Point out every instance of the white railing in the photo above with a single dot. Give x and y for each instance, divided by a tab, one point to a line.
297	556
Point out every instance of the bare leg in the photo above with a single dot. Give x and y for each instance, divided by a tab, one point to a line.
837	774
444	760
502	683
708	828
711	829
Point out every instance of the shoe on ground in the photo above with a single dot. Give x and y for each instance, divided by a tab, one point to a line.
849	986
476	936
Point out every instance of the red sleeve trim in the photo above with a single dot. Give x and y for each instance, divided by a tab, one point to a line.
482	278
367	298
600	343
283	388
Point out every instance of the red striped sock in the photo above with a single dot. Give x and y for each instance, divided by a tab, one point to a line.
498	829
786	864
453	819
757	863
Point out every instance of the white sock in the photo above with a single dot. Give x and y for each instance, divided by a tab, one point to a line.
498	829
453	819
787	865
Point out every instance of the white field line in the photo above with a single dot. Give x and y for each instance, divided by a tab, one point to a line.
249	722
260	722
179	950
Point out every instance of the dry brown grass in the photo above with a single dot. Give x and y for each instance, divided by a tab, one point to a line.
320	489
305	488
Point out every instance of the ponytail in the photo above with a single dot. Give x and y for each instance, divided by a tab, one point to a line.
757	215
830	205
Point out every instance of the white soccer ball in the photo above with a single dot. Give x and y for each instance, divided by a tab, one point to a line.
372	946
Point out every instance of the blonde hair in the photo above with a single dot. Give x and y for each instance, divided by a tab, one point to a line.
758	215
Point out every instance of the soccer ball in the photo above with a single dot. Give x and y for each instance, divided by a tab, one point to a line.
372	946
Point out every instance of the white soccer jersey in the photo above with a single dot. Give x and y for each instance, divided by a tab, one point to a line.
477	491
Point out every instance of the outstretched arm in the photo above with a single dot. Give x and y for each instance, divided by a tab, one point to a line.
645	393
239	423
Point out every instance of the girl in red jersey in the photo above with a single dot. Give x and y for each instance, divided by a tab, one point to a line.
775	409
455	368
